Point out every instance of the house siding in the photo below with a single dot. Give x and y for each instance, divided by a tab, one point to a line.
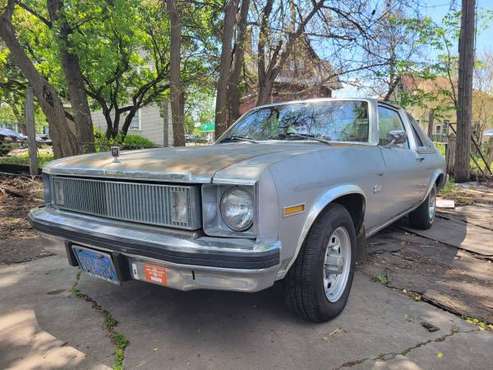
151	124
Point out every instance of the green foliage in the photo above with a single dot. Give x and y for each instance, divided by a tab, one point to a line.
123	49
382	278
22	158
6	147
129	142
12	93
137	142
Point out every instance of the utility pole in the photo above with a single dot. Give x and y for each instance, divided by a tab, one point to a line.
31	132
464	111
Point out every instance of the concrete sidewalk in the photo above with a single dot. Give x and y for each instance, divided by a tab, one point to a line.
44	326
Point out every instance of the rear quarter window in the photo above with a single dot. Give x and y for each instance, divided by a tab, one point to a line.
421	139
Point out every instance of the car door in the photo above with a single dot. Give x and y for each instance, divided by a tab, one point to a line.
401	185
425	158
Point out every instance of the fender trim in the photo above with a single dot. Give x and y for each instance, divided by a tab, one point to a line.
317	207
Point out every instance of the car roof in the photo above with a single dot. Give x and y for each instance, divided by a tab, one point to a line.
317	100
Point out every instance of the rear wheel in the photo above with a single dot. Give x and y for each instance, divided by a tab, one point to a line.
318	284
423	216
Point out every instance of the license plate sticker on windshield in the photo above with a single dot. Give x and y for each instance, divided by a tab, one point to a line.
155	274
97	264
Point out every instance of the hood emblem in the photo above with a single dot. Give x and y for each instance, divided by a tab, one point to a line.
115	152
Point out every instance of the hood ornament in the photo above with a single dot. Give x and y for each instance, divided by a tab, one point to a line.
115	152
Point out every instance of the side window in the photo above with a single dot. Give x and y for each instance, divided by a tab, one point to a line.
389	120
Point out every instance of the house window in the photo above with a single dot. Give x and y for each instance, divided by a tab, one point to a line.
438	129
135	123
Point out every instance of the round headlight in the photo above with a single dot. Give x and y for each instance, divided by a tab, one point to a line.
237	209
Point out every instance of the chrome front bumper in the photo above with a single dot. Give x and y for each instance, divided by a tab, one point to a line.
193	261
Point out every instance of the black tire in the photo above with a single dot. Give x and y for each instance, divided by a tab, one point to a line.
420	218
304	287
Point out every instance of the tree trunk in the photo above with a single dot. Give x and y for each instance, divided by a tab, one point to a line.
176	85
431	119
450	155
62	130
230	11
234	93
264	93
127	121
464	111
73	76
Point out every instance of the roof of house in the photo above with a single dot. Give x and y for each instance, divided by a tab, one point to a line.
310	70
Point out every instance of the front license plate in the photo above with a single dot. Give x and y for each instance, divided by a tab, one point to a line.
97	264
156	274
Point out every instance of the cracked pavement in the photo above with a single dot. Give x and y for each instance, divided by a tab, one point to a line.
43	326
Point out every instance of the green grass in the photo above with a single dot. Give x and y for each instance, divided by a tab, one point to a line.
22	158
382	278
449	188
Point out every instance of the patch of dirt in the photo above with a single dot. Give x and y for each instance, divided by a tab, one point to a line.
470	193
442	275
19	242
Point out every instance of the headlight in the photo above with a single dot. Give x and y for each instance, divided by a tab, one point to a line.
237	209
46	189
179	209
59	195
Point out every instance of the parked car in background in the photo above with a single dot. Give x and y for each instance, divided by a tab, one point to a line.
284	194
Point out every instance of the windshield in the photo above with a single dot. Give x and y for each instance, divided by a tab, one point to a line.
338	120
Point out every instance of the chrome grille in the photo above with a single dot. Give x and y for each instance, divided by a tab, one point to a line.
147	203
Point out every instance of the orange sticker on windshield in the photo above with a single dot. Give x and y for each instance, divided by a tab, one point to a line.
156	274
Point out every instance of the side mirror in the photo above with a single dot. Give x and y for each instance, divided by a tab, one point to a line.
396	137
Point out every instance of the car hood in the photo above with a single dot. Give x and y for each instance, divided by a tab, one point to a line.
181	164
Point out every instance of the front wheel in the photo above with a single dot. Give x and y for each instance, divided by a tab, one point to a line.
318	284
423	216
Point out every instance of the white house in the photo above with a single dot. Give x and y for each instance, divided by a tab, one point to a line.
152	122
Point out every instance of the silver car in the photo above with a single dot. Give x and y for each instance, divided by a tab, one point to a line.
288	193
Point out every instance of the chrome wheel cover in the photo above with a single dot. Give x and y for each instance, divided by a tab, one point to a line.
337	264
432	199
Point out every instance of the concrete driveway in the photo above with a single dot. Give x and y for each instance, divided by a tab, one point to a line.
44	325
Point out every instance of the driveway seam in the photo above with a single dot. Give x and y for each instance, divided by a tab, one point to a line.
118	339
391	355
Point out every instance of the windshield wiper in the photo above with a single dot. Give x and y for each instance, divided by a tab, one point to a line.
306	136
238	138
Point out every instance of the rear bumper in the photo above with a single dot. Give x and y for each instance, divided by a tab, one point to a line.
194	261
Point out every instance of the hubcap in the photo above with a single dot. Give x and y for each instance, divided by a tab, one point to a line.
337	264
432	205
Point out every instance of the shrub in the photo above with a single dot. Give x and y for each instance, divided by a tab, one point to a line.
137	142
7	147
131	142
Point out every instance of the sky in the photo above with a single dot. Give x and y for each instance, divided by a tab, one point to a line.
437	9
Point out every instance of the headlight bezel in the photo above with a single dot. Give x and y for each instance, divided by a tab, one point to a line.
212	219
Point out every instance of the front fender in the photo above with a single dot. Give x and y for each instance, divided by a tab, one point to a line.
321	202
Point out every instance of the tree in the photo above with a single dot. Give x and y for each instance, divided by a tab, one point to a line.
123	47
273	48
231	62
464	111
62	129
73	75
13	87
176	85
